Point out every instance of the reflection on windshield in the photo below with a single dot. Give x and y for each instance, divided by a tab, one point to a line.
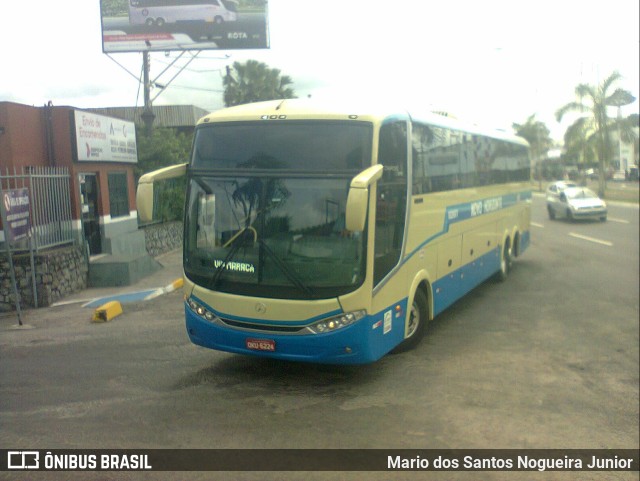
272	237
578	193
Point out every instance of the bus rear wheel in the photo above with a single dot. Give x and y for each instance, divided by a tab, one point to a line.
506	262
418	319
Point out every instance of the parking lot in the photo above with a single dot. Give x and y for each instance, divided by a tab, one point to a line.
549	359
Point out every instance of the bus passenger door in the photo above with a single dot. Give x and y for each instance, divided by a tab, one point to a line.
447	287
391	199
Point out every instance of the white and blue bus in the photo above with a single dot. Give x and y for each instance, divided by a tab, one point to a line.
335	235
160	12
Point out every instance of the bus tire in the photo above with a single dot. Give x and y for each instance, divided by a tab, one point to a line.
506	261
418	319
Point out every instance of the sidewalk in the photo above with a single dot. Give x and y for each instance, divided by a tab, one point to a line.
72	316
150	286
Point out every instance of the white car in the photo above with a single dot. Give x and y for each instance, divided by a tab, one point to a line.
575	203
557	187
619	176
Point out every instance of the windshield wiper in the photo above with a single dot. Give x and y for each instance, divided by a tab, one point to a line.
288	272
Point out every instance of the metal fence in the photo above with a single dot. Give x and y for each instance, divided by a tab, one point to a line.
50	202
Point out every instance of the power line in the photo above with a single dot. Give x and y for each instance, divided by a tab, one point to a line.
186	87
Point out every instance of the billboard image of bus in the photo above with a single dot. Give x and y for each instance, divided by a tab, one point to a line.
160	12
334	235
182	25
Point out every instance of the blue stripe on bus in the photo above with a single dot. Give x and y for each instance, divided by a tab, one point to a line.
451	287
362	342
465	211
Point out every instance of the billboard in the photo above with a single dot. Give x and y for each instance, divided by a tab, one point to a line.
104	139
163	25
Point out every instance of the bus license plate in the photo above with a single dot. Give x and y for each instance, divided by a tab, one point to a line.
261	344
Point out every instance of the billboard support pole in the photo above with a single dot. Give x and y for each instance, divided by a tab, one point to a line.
147	114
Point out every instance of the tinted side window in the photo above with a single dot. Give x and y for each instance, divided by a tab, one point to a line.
446	159
391	199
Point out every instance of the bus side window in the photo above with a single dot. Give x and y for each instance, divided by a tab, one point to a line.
421	139
391	198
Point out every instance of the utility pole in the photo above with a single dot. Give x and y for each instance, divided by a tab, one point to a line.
147	114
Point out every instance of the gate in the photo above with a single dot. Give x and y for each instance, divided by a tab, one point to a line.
50	202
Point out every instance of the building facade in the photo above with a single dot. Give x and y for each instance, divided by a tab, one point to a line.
98	149
99	152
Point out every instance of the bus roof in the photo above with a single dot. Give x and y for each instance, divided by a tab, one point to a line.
310	109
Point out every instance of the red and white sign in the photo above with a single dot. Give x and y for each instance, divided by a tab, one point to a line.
104	139
261	344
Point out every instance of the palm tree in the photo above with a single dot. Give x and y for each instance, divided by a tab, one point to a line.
254	81
538	136
579	145
597	125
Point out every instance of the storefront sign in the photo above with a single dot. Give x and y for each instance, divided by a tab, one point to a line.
16	208
104	139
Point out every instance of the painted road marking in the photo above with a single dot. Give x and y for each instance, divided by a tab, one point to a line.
620	221
591	239
535	224
123	298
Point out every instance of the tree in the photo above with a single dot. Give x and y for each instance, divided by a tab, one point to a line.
254	81
578	145
538	136
596	125
114	8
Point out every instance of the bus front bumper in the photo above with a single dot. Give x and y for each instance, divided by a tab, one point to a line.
363	342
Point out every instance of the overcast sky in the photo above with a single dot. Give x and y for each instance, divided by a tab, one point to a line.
493	62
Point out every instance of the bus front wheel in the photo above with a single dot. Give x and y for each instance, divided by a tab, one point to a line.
418	318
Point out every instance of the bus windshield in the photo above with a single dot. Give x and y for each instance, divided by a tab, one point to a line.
272	237
266	209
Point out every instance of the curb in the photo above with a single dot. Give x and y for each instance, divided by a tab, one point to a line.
177	284
111	306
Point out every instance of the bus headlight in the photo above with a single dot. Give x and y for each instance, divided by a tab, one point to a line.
334	323
200	310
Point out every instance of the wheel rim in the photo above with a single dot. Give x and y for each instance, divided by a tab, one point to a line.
414	319
506	260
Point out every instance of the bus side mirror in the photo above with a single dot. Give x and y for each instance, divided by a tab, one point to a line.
144	193
144	201
356	214
358	199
